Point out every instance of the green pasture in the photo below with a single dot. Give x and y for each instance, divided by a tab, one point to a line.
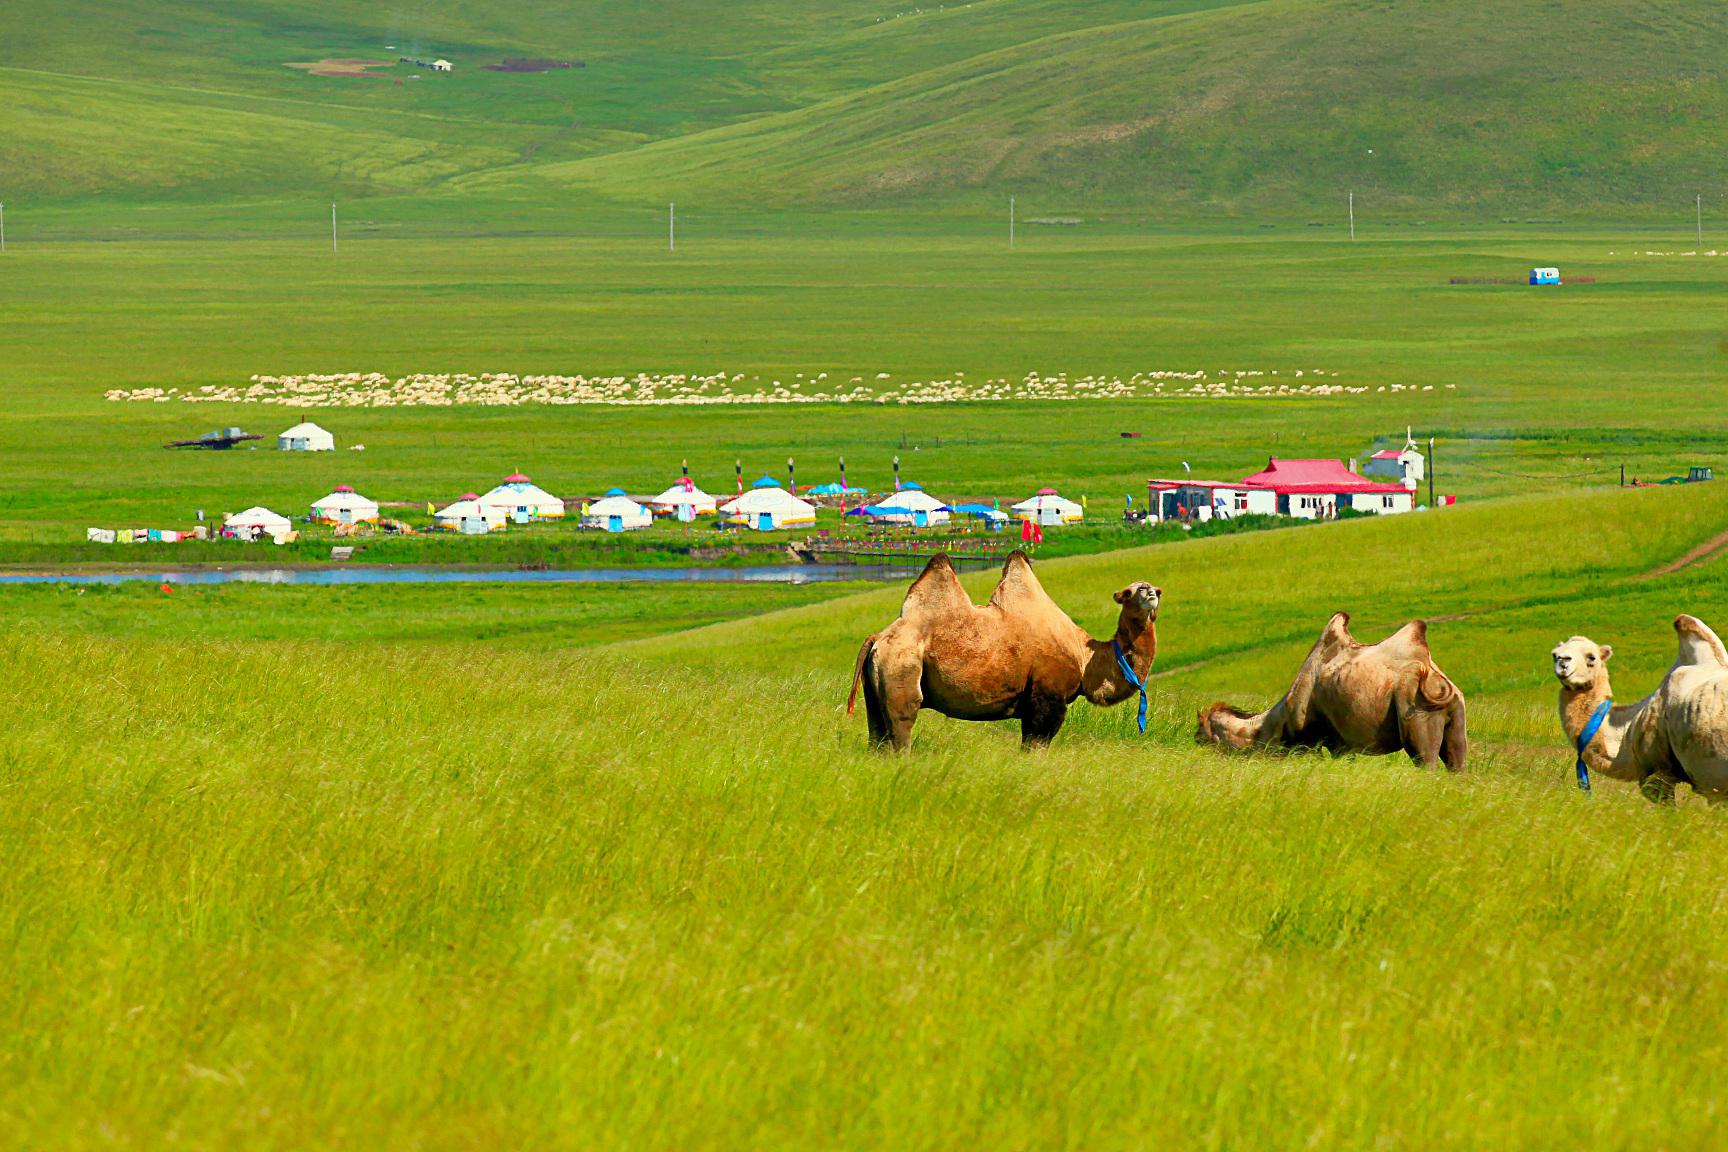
1197	109
1531	390
272	881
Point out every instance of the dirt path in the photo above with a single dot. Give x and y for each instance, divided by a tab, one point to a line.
1696	556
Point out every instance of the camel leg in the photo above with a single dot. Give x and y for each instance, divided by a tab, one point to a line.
1423	733
1658	787
1041	717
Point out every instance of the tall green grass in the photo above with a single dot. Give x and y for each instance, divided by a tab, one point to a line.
463	893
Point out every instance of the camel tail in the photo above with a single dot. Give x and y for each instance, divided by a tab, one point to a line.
858	670
1434	689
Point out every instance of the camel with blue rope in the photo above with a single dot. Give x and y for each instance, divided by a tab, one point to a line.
1017	657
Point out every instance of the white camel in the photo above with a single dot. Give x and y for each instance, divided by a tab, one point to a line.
1676	735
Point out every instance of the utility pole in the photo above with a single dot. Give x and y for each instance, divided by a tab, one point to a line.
1010	222
1430	471
333	227
1352	214
2	227
1698	201
672	227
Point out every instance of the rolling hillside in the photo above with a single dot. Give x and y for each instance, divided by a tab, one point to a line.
1275	107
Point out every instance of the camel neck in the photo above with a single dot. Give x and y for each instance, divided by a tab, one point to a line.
1577	705
1140	645
1102	681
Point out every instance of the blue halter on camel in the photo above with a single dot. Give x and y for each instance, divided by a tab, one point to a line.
1133	678
1597	718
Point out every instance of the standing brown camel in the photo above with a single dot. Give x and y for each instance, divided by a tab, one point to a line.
1374	698
1018	657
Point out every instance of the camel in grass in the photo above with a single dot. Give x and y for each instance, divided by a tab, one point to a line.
1676	735
1019	657
1374	698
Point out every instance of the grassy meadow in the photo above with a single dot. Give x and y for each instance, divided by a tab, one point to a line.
327	888
1529	390
491	866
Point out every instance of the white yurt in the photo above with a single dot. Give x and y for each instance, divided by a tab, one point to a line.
258	519
307	437
912	505
617	514
768	508
468	516
522	500
1049	508
685	494
345	506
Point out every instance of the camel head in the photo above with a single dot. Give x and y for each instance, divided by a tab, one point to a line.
1139	602
1226	725
1580	663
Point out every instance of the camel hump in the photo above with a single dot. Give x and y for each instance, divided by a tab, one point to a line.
1018	590
1409	642
1698	644
936	592
1336	635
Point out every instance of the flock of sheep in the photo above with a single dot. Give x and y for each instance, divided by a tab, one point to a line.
445	389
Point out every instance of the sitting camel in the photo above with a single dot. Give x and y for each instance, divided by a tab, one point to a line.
1677	734
1374	698
1017	657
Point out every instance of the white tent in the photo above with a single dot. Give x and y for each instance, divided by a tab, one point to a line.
522	500
260	518
345	506
306	437
918	507
1049	508
765	509
468	515
678	495
617	514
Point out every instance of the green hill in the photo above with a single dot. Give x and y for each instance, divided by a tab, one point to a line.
1279	107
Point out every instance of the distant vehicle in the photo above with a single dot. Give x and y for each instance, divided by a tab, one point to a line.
1696	474
1544	275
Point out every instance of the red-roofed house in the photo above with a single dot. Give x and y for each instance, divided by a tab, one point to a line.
1316	489
1204	499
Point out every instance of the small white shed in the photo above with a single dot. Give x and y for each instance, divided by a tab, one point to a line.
307	437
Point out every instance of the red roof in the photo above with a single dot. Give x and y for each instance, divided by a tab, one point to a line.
516	478
1233	485
1314	477
1389	454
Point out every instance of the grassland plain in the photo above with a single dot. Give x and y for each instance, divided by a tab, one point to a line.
341	891
1532	390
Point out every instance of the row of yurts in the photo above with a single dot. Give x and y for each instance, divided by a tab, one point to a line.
765	506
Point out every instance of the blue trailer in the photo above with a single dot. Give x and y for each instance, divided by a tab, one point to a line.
1544	275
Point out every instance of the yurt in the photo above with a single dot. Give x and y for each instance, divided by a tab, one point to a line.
345	506
522	500
257	520
767	508
685	501
469	517
616	514
912	505
1049	508
306	437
